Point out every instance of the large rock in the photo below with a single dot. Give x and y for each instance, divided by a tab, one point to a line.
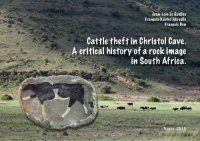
58	102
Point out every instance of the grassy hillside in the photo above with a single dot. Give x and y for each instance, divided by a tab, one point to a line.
40	35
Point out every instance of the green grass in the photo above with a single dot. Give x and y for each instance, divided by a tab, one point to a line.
163	106
110	124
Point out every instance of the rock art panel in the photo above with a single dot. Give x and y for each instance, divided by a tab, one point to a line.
58	102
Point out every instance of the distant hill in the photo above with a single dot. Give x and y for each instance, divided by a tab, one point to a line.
41	34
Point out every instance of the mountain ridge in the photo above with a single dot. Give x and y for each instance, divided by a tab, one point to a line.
57	26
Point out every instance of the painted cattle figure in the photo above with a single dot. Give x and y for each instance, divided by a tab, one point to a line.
47	91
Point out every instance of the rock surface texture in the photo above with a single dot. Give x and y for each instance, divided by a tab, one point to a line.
58	102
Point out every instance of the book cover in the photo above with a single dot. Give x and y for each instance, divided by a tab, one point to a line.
100	70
